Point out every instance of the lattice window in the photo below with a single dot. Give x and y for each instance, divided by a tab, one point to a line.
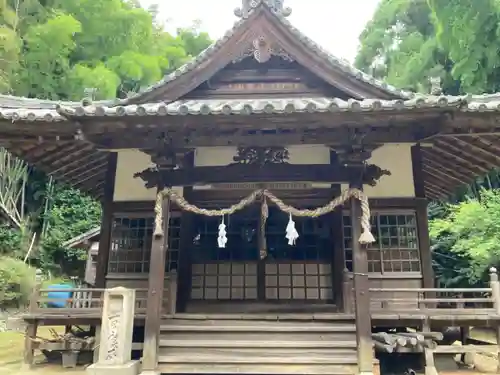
228	273
396	247
131	244
302	271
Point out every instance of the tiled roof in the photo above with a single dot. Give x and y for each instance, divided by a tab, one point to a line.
72	242
342	64
256	106
29	115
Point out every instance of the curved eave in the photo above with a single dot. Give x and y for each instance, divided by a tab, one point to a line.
272	106
45	137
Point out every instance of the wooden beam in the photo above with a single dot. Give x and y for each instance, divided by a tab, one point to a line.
489	157
253	173
434	156
421	213
275	134
106	222
89	154
463	154
441	174
446	189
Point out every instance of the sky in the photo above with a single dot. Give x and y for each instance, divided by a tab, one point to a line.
334	24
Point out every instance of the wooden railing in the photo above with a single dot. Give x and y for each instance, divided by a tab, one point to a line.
465	300
81	301
397	299
89	301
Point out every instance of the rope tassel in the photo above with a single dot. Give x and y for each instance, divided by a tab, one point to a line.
158	232
264	212
366	237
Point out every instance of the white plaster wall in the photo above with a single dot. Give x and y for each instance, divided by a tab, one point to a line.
397	159
394	157
128	188
298	154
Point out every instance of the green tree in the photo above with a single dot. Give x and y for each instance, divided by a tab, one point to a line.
472	231
71	213
54	49
10	44
399	44
115	46
406	43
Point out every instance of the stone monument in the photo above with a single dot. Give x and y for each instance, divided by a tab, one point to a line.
115	346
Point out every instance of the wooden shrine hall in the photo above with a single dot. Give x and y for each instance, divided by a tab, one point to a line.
268	203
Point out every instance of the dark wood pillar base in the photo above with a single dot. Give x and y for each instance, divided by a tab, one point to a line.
29	351
156	279
361	291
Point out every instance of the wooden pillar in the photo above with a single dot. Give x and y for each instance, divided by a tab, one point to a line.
495	295
337	243
156	281
184	267
361	290
338	256
422	219
106	222
29	346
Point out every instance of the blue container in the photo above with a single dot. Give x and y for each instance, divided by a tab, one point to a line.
60	298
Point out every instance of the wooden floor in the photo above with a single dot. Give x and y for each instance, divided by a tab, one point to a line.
437	317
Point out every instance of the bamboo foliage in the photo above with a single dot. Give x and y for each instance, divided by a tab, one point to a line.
13	179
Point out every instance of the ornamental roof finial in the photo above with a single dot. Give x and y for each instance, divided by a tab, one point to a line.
436	88
276	5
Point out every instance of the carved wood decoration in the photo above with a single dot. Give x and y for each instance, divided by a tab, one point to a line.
276	5
357	155
262	49
255	173
261	155
163	154
373	173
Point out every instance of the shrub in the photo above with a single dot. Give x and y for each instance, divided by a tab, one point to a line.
17	281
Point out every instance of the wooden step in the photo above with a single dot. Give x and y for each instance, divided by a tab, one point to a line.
256	322
327	317
271	328
216	356
257	369
258	336
197	343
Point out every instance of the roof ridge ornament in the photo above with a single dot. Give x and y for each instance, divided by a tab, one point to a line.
275	5
436	86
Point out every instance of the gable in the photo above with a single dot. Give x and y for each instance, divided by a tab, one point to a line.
280	76
264	34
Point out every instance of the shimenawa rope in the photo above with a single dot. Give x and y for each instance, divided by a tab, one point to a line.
365	238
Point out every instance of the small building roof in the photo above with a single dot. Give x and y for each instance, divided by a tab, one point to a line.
83	238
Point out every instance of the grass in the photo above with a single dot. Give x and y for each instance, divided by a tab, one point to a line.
11	347
11	355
